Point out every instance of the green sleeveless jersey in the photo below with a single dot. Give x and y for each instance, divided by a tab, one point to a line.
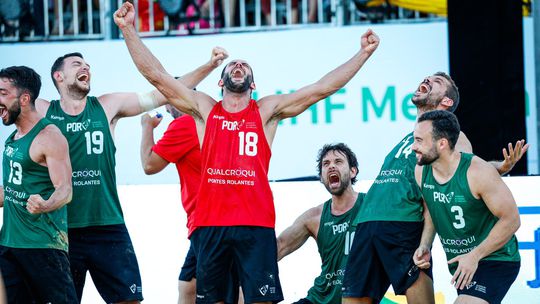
92	152
394	195
23	177
334	240
461	221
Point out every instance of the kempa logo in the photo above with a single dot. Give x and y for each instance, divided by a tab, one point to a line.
77	126
133	288
54	117
431	187
263	290
443	198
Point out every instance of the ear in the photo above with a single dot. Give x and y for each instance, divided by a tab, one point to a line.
446	102
58	76
24	99
354	172
252	86
221	83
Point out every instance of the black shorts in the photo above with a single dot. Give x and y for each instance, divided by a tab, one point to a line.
252	251
188	271
37	275
382	254
107	253
492	280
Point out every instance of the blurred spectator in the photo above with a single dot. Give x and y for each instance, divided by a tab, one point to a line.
144	16
16	18
67	9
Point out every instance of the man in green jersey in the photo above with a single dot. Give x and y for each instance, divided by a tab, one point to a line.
36	187
98	238
470	208
328	223
390	219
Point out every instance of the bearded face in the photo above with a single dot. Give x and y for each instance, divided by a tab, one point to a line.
10	114
427	158
237	86
430	93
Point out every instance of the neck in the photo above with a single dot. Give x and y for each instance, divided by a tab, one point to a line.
236	102
445	167
25	122
72	104
344	202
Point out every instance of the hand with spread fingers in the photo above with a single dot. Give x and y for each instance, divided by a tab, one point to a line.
467	265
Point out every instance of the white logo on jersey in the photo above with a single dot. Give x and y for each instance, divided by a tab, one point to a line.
443	198
427	186
10	151
54	117
340	228
133	288
263	290
77	126
232	125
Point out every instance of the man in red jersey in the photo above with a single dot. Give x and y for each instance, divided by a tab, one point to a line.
234	216
179	145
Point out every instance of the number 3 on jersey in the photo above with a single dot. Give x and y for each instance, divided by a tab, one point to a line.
248	143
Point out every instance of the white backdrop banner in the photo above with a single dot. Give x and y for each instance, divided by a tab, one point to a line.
370	114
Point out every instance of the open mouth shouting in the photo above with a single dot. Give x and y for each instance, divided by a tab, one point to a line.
334	180
3	111
83	77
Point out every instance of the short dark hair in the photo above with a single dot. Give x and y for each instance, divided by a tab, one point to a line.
445	125
342	148
452	91
59	64
25	79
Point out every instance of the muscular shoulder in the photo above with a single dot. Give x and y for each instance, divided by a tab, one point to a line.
42	106
48	142
481	175
311	219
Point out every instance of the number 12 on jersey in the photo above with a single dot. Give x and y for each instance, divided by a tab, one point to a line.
248	143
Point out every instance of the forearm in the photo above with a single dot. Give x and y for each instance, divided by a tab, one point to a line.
193	78
60	197
338	77
1	196
499	165
499	235
428	232
147	142
146	62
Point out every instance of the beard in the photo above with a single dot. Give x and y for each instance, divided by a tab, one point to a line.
343	185
13	114
426	103
77	90
241	87
429	157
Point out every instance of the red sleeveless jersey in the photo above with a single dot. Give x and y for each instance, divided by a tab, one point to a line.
235	158
180	145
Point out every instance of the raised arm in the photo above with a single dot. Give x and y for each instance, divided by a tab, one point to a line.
297	234
486	184
151	162
511	157
182	97
289	105
50	149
